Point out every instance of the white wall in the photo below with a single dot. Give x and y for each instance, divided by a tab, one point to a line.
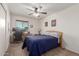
4	29
68	23
31	21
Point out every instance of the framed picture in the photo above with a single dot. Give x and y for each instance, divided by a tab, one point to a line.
46	24
53	23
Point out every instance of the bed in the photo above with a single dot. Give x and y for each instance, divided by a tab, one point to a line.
38	44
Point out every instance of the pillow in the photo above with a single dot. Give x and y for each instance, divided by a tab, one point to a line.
55	34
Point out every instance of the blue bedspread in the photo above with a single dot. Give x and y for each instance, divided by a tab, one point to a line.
36	45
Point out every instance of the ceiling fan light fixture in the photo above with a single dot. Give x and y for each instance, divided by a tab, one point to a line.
36	14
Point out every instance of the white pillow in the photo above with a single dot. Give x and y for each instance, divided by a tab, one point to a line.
55	34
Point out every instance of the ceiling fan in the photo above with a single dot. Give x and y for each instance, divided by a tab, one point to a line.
36	11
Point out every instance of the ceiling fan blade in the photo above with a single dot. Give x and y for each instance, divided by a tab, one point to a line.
29	9
40	7
43	12
30	14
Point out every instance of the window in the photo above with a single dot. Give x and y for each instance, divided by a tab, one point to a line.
22	25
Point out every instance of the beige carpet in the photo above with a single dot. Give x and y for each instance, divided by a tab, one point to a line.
15	50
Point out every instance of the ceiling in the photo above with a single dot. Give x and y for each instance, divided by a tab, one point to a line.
50	8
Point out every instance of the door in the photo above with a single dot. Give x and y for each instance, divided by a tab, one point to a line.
2	30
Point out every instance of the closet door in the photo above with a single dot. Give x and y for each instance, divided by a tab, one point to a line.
2	30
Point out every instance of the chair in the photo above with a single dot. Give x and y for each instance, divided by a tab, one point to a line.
18	35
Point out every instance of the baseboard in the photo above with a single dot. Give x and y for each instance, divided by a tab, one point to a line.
72	51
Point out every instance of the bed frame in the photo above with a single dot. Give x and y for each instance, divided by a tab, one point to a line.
60	37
